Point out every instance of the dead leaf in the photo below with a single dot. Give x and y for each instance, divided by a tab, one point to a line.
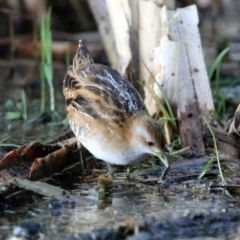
62	138
19	161
37	161
54	162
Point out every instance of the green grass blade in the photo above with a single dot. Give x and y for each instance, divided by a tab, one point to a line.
206	167
163	159
170	118
168	113
9	145
24	105
48	73
217	62
169	108
215	148
46	68
13	115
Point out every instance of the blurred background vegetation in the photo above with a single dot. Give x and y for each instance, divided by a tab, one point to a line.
21	57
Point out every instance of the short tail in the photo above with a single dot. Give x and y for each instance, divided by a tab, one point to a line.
82	56
80	61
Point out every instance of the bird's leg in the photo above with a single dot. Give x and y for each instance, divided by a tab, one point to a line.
163	175
82	160
128	172
162	157
110	169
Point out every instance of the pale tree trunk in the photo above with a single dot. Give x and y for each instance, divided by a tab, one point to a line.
149	36
184	77
124	19
101	15
167	46
119	23
120	16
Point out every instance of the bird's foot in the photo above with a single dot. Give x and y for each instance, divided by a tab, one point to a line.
163	175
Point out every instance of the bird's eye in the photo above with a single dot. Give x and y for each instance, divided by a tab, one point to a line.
150	144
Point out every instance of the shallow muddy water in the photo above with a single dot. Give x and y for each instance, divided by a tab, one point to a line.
137	199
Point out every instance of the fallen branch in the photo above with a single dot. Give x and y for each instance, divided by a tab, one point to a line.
228	144
48	190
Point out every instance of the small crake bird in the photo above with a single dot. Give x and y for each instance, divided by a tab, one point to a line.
107	114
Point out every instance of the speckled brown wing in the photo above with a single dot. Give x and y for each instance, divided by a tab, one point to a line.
71	81
97	91
100	92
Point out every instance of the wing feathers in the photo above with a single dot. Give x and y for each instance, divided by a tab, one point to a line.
82	57
97	91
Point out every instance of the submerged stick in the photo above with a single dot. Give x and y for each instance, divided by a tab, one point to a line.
48	190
